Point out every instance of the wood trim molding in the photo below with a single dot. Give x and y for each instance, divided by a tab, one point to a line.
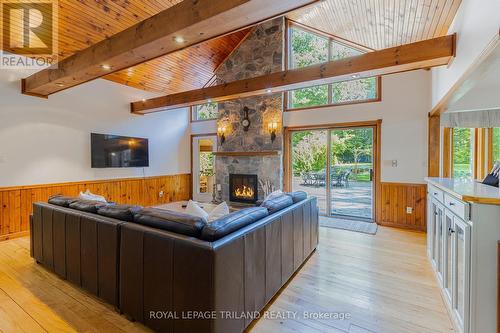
424	54
434	145
16	202
195	21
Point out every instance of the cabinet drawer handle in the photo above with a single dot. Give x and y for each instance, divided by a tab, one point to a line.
435	193
451	230
452	204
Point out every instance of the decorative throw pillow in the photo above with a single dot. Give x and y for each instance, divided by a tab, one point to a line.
192	208
218	212
87	195
274	195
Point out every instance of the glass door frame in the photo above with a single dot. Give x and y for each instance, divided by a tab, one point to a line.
215	148
376	125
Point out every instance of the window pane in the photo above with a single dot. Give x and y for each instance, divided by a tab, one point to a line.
340	51
462	153
307	49
309	97
496	144
355	90
205	111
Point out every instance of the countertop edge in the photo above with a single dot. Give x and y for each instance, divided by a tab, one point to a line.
466	198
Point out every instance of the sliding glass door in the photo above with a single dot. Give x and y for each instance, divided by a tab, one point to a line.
336	166
351	169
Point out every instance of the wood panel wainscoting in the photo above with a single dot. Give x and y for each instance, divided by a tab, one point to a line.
16	202
395	197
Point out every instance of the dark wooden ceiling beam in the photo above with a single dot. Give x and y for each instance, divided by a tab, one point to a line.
193	20
424	54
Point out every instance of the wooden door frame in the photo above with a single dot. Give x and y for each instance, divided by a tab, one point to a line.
377	143
191	158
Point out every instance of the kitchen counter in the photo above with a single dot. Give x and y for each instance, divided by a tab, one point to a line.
467	190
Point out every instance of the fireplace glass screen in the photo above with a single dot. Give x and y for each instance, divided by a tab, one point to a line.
243	188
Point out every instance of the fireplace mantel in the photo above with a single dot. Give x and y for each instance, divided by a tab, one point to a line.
248	153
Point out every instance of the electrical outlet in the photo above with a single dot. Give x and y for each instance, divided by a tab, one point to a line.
161	194
394	163
409	210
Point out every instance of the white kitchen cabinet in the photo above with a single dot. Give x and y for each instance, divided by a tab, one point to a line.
462	244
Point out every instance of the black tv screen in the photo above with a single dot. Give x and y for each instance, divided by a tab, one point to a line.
113	151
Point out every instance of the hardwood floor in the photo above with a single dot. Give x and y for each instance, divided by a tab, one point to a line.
383	282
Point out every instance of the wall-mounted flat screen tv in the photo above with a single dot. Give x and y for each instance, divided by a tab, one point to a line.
113	151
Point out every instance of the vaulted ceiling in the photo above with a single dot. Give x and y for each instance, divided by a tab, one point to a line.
376	24
380	24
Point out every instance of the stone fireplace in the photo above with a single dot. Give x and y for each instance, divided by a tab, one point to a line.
243	188
252	150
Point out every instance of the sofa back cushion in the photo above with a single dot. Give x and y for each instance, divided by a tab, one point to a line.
120	212
61	200
168	220
89	206
298	196
276	204
232	222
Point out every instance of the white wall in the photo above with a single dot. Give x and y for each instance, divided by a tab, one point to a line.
476	24
48	141
403	110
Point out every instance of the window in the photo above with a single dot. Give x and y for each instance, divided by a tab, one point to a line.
495	144
462	153
205	112
308	48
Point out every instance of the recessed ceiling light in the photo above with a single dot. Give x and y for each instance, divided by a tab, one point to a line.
106	67
269	91
209	100
143	100
60	84
355	76
179	39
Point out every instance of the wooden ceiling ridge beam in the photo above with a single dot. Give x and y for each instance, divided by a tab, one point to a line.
193	21
424	54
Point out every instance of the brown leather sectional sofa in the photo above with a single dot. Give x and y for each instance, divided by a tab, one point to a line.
174	282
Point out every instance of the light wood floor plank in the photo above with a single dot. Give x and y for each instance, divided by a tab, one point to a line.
384	282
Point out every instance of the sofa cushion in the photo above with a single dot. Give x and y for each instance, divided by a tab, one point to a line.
89	206
277	204
61	200
298	196
232	222
120	212
168	220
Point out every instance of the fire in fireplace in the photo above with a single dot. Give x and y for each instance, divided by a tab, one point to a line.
243	188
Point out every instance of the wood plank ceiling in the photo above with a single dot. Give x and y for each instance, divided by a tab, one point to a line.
380	24
85	22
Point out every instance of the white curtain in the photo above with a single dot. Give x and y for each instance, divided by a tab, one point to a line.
471	119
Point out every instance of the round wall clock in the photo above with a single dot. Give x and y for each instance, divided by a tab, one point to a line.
245	122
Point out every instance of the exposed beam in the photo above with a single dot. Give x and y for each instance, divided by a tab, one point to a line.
424	54
193	20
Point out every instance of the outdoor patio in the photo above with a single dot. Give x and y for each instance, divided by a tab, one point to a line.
355	199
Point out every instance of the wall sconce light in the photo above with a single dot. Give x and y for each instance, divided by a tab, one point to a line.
273	127
221	131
